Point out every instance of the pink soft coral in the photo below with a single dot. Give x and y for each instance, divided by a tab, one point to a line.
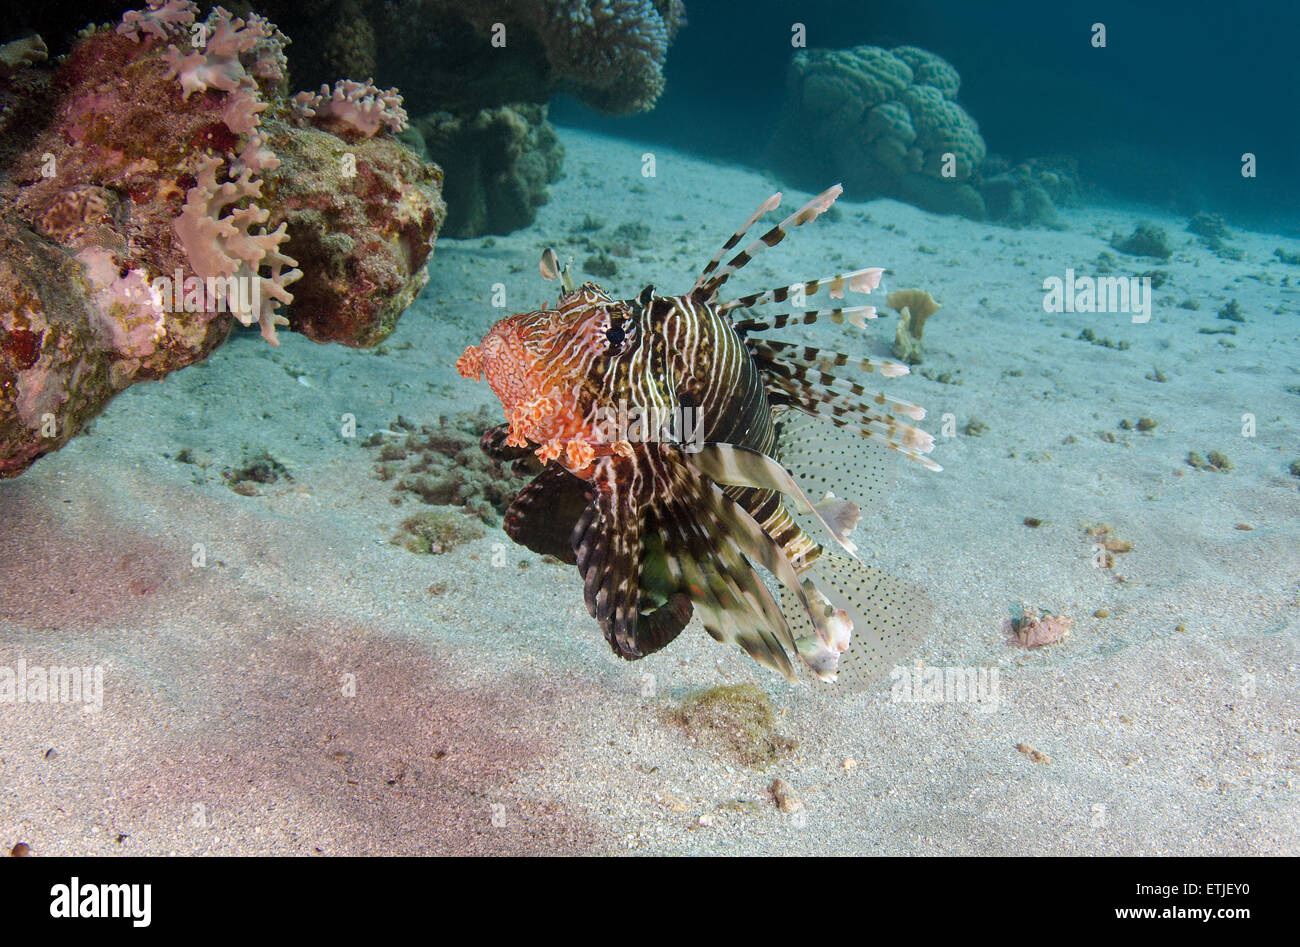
352	107
165	19
221	245
236	53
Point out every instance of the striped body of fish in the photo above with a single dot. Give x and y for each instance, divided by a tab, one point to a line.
662	525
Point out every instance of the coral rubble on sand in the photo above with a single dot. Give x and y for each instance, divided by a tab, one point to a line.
1145	240
167	192
443	465
734	720
1033	630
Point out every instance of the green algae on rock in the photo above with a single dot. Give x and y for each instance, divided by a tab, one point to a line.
437	531
1214	461
1231	311
737	720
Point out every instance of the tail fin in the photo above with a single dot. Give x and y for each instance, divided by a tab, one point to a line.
890	619
706	287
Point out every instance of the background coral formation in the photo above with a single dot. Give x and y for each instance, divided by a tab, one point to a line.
478	93
500	160
129	245
886	123
441	53
1030	193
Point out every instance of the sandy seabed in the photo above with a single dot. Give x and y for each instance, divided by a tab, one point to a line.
313	688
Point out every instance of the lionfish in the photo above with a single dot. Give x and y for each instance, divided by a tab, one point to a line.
661	527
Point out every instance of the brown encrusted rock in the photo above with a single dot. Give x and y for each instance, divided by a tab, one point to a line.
49	375
362	219
138	160
81	233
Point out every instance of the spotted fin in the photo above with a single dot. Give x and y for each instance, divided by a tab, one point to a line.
743	467
825	458
890	619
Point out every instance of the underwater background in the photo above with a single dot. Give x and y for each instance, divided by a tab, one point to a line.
279	577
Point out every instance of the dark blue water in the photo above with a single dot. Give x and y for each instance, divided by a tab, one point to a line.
1162	115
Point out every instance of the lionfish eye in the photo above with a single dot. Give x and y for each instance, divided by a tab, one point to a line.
614	337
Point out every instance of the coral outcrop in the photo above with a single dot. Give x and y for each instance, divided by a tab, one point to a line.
886	123
463	57
476	79
500	160
361	217
1030	193
154	205
1146	240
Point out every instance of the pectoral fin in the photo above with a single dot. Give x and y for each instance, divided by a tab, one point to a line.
743	467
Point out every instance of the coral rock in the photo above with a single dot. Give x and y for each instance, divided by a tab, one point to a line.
886	123
129	244
498	162
362	219
465	57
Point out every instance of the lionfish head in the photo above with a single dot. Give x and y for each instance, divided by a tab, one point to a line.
538	362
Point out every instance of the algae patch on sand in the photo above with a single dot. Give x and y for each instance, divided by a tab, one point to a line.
437	531
736	720
442	465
